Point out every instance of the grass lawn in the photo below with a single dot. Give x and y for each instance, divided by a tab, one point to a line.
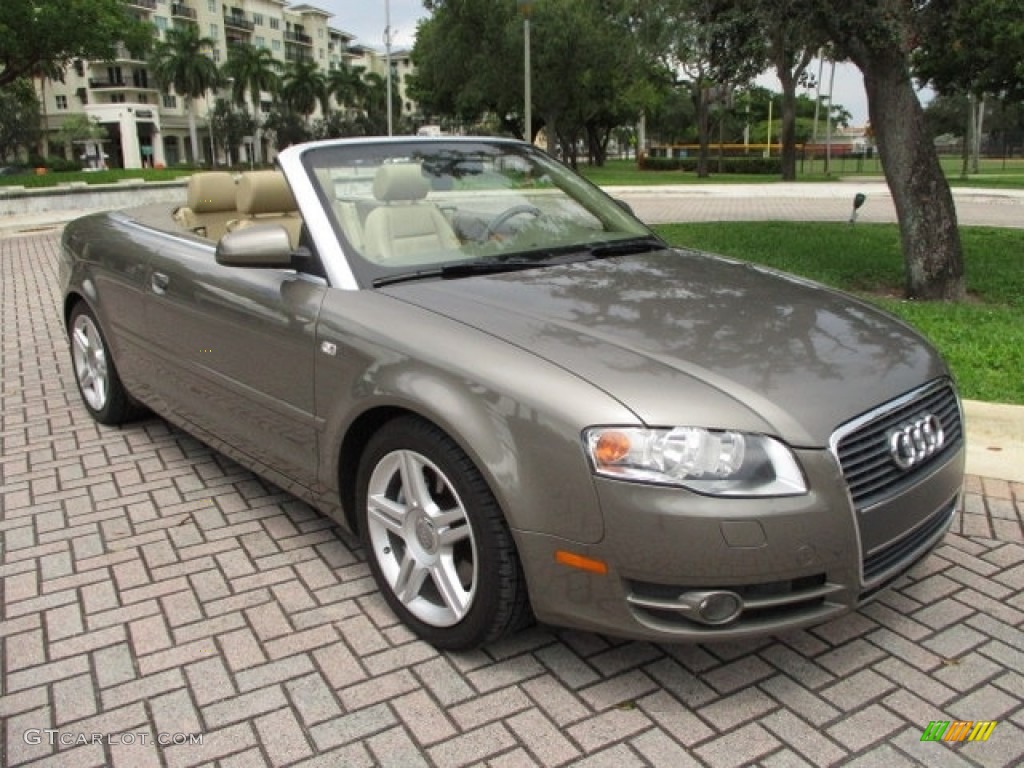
982	338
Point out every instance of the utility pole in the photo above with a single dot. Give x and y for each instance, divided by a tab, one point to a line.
387	49
525	6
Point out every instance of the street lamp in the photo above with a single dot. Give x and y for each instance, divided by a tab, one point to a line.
525	6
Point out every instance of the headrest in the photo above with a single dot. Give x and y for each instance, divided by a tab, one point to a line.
211	191
400	181
264	192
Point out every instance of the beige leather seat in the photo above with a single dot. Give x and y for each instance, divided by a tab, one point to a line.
210	204
264	197
406	229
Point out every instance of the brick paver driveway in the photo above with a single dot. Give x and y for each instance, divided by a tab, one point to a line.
152	590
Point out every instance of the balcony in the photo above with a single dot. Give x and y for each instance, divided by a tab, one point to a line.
182	11
297	37
149	5
238	22
292	54
97	84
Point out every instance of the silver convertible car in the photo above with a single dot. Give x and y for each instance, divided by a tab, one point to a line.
523	401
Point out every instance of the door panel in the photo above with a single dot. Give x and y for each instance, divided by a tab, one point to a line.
236	348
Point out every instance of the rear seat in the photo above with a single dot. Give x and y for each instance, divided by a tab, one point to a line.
210	204
264	197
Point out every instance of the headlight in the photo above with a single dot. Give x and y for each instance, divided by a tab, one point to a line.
720	463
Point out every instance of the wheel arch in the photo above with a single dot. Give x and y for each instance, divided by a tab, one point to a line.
533	466
353	445
72	300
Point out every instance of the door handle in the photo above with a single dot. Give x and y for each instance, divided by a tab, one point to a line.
159	282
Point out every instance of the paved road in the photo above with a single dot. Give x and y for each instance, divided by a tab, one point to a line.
151	586
807	202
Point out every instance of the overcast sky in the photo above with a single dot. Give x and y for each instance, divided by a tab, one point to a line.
366	20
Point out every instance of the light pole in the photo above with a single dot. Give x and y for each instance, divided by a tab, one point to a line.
387	49
525	6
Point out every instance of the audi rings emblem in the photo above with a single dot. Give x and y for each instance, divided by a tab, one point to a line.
913	442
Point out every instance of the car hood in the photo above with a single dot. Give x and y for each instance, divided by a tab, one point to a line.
681	337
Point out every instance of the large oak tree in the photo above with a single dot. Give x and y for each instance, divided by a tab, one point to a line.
45	35
880	37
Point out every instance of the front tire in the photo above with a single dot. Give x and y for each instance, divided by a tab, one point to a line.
102	392
436	541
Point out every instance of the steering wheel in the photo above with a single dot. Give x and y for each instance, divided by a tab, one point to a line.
507	215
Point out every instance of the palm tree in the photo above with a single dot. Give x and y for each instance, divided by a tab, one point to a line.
376	102
304	87
255	70
347	86
181	62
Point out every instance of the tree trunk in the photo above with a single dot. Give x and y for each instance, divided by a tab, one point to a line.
788	130
701	102
789	70
193	134
550	127
932	252
257	138
968	142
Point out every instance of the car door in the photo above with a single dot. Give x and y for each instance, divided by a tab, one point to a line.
237	350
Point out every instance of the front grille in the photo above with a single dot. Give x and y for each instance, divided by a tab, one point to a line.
863	446
907	550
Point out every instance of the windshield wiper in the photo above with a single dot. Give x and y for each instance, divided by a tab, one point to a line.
627	247
406	277
531	260
463	269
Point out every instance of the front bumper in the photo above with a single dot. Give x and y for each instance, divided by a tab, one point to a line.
792	561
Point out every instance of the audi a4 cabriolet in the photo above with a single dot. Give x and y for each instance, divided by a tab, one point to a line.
523	401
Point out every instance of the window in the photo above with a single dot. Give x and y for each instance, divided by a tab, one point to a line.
214	31
320	33
170	101
275	23
276	45
160	22
265	107
216	53
117	98
143	98
261	42
211	6
321	53
62	101
257	19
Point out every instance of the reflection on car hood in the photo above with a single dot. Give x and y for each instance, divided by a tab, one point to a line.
681	337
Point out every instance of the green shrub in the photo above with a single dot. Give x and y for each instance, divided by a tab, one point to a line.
60	165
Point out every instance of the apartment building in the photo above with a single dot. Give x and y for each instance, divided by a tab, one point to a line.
147	127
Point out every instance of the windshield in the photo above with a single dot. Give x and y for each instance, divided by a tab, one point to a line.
424	205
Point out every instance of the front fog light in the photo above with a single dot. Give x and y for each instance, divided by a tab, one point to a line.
713	607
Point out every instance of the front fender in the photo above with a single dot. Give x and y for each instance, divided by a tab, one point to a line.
519	418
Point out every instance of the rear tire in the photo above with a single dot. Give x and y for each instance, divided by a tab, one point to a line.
436	540
103	394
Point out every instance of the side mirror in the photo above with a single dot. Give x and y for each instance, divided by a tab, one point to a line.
624	205
264	246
